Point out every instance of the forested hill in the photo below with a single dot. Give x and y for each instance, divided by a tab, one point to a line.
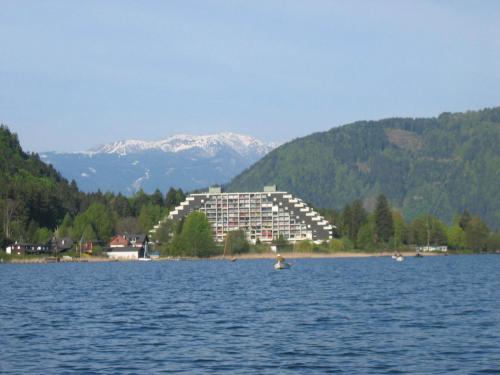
37	204
33	195
437	165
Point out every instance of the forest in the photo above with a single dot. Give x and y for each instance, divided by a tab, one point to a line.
442	166
38	204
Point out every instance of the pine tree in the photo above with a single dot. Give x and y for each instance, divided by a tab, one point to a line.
354	217
384	223
464	219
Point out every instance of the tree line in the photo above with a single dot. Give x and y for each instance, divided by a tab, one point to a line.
386	228
37	204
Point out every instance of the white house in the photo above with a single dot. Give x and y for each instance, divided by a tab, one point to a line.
432	248
124	253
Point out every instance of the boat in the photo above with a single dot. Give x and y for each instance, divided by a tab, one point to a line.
145	257
418	255
400	258
281	265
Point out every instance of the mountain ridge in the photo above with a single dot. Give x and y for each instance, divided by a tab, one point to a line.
441	165
242	144
182	160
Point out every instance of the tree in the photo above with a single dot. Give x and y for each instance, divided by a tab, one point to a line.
354	217
464	219
476	234
99	218
149	216
174	198
280	241
366	236
139	200
128	224
384	224
65	228
89	233
494	242
10	208
166	231
42	236
121	205
304	246
456	237
196	237
428	230
400	230
157	198
236	242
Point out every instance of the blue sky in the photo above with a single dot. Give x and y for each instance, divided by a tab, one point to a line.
75	74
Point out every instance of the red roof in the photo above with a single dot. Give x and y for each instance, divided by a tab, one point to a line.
119	240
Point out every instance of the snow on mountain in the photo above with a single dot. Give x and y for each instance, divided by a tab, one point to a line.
186	161
207	144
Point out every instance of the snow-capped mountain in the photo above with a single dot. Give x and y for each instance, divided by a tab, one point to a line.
185	161
208	144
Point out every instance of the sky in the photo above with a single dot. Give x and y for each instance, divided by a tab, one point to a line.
77	74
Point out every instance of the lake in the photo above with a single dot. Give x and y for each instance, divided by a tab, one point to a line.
351	315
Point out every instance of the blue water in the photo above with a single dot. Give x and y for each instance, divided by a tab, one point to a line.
354	316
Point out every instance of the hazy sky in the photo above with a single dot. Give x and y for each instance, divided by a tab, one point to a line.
75	74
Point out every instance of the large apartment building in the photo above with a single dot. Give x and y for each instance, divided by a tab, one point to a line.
263	216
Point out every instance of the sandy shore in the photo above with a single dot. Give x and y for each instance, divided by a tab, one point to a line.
249	256
298	255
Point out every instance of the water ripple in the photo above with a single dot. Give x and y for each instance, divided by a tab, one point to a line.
375	316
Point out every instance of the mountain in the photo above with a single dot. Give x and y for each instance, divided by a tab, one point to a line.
440	165
185	161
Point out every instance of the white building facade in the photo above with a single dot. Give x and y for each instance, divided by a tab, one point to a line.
263	216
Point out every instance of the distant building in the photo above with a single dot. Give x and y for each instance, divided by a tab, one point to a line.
125	240
263	216
127	246
432	248
27	249
61	244
129	253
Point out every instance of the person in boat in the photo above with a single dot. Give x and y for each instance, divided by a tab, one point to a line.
279	258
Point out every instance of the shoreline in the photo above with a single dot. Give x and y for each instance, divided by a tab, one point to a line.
309	255
247	256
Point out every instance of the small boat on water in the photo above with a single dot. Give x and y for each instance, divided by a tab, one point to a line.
280	263
398	257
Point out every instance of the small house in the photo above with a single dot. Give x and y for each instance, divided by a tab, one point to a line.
127	246
27	249
61	244
124	253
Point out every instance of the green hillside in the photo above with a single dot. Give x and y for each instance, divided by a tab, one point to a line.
36	203
33	195
437	165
